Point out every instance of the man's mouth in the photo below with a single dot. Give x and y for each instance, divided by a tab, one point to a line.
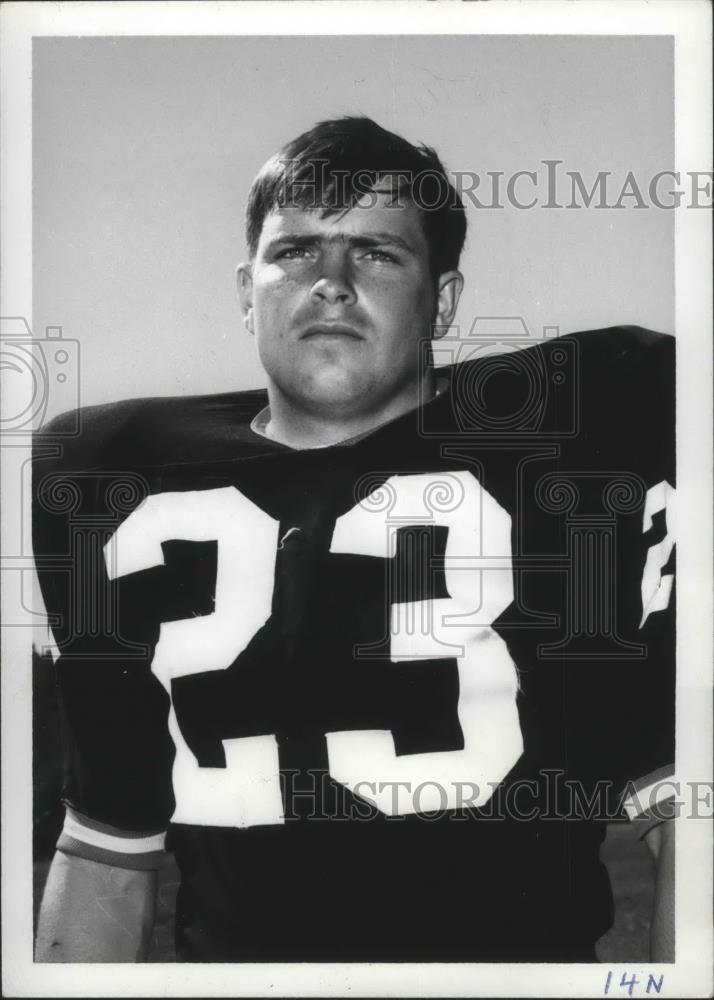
330	330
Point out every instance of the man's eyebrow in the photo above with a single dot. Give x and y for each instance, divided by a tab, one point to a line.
293	240
361	241
367	240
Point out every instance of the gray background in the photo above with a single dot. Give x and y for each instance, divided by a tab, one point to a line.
144	149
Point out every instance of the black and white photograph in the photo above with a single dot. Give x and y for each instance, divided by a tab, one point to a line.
357	489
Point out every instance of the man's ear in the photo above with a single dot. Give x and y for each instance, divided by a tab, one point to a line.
244	279
450	286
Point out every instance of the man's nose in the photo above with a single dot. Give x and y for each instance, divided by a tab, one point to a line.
334	284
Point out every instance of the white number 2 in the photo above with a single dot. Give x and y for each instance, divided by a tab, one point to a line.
477	568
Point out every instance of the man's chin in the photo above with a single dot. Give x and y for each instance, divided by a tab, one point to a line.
338	395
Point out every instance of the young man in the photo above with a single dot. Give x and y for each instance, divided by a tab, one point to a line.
384	651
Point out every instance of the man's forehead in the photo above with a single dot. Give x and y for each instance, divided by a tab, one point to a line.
375	212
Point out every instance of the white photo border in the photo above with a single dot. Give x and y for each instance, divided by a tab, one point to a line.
689	22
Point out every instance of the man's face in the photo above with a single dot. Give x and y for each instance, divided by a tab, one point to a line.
339	304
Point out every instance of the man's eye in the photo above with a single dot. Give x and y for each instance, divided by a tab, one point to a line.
293	253
380	255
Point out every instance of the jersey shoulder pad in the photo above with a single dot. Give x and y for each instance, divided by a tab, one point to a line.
625	346
154	431
626	397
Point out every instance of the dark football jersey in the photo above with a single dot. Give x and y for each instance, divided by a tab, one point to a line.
386	692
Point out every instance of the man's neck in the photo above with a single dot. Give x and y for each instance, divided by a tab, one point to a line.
297	428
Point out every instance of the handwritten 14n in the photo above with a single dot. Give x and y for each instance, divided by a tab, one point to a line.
654	983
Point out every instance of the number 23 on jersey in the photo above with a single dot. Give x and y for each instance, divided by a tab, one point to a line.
477	569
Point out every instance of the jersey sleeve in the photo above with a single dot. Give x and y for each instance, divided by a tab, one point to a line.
86	838
645	738
650	793
114	712
620	702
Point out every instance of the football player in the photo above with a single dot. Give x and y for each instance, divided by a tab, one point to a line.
383	648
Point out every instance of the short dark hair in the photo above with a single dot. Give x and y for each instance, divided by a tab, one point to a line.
353	155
